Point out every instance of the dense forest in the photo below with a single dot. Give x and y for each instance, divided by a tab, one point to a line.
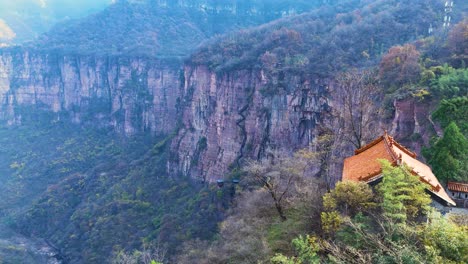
96	195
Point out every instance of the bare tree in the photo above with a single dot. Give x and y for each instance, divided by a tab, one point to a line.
154	253
282	176
356	94
286	184
324	152
149	254
124	258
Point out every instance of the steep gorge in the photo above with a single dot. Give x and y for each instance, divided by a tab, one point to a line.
221	118
235	97
235	113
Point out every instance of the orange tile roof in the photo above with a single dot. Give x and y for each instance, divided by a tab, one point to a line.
364	165
458	187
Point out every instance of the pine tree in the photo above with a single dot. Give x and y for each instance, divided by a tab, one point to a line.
403	195
455	110
449	155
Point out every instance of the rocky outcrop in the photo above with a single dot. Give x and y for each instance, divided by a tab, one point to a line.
412	124
237	115
131	95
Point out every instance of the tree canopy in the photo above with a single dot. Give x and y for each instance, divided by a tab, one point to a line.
448	156
402	194
453	110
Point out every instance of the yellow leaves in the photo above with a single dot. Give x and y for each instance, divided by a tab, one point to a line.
329	203
313	242
282	259
349	197
421	94
331	221
398	60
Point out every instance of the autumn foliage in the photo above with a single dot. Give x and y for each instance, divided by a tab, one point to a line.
400	66
458	42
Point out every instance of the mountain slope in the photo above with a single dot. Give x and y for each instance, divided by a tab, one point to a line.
162	28
91	193
274	86
326	40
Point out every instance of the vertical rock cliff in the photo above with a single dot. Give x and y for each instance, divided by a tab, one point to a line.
221	118
237	115
412	123
225	117
129	94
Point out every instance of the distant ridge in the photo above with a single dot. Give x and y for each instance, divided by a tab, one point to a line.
162	28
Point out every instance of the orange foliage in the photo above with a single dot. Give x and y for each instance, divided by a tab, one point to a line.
400	65
458	41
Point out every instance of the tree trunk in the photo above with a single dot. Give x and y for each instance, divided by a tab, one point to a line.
280	212
278	206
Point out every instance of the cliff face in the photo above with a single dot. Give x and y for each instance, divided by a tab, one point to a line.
222	118
130	95
232	116
412	124
238	115
225	117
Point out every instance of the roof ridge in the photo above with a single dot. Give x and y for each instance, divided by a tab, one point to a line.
405	150
435	186
389	141
368	146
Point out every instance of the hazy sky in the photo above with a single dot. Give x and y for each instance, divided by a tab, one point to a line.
26	19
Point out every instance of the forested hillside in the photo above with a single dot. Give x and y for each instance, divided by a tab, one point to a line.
352	33
292	218
162	28
92	193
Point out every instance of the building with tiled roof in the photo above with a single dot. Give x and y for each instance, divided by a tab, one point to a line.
364	166
458	192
